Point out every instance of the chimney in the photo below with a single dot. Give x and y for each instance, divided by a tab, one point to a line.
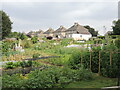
76	24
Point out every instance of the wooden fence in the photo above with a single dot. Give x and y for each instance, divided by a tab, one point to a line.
99	58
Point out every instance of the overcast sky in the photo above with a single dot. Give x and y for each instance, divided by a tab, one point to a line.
30	15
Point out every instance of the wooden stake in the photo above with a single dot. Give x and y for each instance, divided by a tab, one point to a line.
90	59
81	58
110	58
99	64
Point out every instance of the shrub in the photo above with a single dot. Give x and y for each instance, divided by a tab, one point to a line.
101	37
82	74
98	41
11	65
74	60
52	77
65	42
24	64
34	39
117	43
26	43
36	55
13	81
56	77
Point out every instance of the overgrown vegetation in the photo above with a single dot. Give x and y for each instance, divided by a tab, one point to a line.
48	78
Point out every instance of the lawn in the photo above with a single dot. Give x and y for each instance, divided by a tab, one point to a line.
97	82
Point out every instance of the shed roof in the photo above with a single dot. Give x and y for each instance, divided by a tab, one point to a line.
60	29
49	31
78	29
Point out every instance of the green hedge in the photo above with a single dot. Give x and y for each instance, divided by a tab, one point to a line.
106	69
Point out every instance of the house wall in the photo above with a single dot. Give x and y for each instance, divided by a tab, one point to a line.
60	34
79	36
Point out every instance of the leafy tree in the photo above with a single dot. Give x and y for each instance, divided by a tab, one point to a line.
5	24
91	30
22	36
116	27
14	34
34	39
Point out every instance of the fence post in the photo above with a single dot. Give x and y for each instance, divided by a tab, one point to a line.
81	58
99	64
110	58
90	59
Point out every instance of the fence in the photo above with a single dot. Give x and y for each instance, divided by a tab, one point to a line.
99	58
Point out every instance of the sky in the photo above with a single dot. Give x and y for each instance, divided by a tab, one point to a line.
34	15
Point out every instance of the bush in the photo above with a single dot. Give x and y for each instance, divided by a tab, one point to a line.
56	77
65	42
26	43
36	55
34	39
101	37
52	77
74	60
11	65
13	81
24	64
98	41
117	43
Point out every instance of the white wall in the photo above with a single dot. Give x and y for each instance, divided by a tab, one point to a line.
81	36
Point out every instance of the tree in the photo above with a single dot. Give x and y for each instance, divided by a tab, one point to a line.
22	36
13	34
91	30
5	24
116	27
34	39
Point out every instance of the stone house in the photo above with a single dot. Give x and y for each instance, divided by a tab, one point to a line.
60	32
49	33
78	32
39	34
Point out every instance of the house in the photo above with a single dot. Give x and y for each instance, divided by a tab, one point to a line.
31	34
39	34
49	33
60	32
78	32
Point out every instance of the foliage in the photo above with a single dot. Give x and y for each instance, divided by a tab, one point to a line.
97	82
65	42
34	39
21	36
52	77
92	31
117	43
5	23
14	81
26	63
74	60
36	55
26	44
116	27
77	59
13	34
11	65
7	47
98	41
101	37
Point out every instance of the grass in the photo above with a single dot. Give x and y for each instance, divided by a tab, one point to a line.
97	82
